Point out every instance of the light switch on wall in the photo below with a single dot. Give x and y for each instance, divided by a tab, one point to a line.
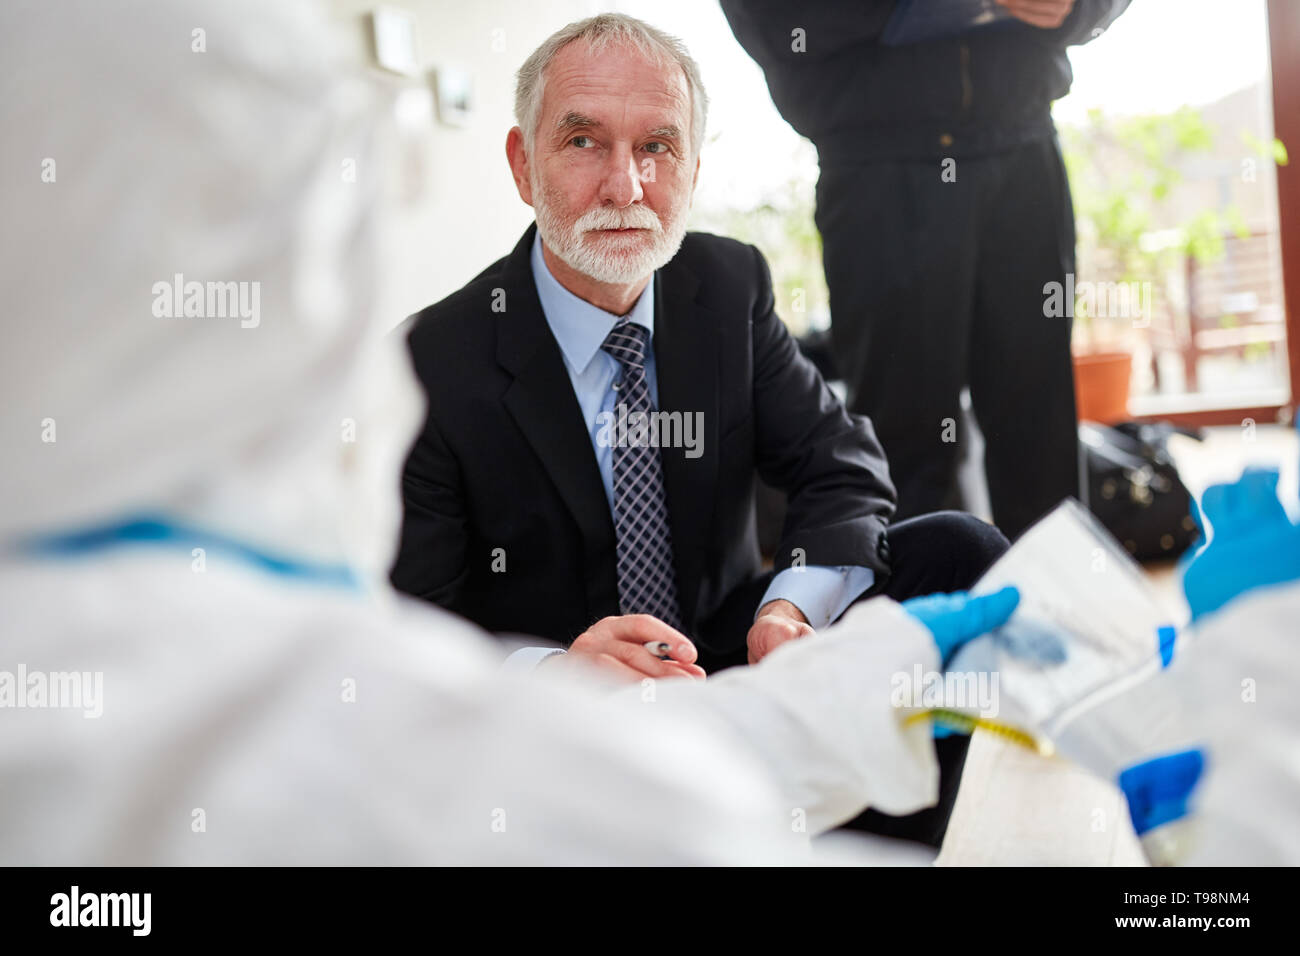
455	95
394	38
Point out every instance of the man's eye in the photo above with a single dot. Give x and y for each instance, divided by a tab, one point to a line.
657	147
582	142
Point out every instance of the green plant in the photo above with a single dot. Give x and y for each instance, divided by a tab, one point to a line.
781	224
1123	171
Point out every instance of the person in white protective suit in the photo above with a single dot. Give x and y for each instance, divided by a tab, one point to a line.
203	431
1240	680
1208	751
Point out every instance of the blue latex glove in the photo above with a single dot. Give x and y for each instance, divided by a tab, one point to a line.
956	618
1157	790
1252	542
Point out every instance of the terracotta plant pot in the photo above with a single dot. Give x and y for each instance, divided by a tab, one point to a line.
1101	382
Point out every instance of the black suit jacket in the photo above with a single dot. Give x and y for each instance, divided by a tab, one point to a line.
506	519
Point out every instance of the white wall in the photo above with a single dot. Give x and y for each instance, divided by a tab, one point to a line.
468	213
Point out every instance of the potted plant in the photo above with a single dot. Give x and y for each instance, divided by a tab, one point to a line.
1122	172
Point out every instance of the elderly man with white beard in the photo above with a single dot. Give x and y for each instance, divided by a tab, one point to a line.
634	549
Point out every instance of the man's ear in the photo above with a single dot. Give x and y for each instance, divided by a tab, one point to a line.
695	179
518	158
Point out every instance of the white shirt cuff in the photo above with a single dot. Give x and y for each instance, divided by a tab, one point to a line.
821	593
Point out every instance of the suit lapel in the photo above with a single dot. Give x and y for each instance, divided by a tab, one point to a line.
543	405
687	359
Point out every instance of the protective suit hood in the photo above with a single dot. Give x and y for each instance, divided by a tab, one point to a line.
169	230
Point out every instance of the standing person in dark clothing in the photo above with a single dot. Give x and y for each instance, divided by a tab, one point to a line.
944	211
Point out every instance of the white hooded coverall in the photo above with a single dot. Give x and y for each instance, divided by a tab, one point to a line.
191	336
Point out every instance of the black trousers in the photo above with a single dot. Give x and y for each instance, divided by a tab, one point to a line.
937	285
946	551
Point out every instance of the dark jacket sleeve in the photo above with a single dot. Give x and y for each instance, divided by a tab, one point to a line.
765	27
1087	20
431	558
827	461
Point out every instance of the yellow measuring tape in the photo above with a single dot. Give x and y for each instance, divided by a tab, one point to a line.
967	724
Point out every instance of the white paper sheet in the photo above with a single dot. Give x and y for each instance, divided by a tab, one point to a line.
1088	624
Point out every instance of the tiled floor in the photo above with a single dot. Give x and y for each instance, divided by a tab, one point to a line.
1016	808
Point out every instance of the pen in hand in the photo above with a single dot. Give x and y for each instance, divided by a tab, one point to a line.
659	649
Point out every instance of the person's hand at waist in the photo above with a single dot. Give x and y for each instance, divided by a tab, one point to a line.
617	647
1047	14
777	622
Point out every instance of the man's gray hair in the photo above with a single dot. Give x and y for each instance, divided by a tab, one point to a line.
599	32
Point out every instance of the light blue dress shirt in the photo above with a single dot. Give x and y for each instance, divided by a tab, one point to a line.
580	328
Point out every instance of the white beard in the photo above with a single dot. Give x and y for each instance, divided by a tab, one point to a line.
610	259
